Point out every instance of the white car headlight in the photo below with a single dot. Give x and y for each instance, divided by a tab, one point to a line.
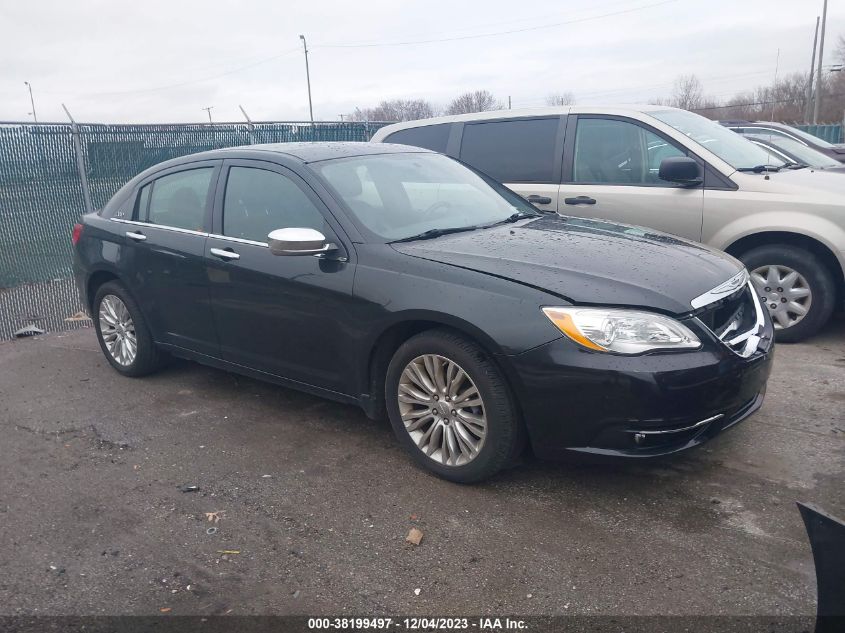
621	331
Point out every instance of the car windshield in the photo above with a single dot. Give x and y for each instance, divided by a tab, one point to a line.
399	196
738	152
801	152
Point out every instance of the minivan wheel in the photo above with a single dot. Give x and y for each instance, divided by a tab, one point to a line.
123	333
451	408
797	288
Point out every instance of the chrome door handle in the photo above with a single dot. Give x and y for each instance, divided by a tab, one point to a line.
138	237
223	254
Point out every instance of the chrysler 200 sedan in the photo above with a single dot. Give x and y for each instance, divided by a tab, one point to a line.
402	281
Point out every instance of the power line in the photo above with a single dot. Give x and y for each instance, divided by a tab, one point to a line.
496	33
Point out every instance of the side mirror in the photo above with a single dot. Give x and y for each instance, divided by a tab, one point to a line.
298	241
680	169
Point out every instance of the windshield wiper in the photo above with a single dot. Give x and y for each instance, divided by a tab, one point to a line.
760	168
797	166
432	233
514	217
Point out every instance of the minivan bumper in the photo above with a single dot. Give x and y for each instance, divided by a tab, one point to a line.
577	401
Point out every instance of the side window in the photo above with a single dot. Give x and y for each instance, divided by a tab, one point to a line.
179	199
613	152
142	203
512	151
433	137
259	201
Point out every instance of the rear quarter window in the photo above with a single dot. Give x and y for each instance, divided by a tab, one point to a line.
433	137
512	151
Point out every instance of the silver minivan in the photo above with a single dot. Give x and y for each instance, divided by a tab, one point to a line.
671	170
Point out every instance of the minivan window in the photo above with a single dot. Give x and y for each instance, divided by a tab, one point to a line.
614	152
736	151
520	150
433	137
179	200
259	201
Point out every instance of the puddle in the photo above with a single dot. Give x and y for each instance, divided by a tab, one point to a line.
44	305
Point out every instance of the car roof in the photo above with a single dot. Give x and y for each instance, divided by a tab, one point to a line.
307	152
523	113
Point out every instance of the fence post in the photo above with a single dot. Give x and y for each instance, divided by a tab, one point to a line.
80	162
249	125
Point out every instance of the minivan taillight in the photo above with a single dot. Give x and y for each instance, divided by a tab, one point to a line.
77	233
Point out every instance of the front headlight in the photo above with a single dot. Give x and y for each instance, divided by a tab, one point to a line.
621	331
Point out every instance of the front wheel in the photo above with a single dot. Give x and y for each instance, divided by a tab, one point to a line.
797	288
450	407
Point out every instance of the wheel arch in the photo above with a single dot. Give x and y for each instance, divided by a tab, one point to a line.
93	283
808	243
391	337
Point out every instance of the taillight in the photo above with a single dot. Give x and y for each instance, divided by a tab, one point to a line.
77	233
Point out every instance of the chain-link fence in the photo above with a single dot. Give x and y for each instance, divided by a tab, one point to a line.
45	170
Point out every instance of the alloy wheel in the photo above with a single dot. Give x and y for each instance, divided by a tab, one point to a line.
442	410
785	292
118	330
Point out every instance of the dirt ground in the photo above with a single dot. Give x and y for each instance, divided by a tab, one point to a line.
317	501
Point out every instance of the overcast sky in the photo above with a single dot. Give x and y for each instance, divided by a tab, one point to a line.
153	61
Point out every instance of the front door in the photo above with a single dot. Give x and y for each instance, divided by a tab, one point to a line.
610	172
282	315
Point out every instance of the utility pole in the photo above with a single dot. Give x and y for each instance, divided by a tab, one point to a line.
308	77
775	85
809	99
819	87
509	102
341	117
208	110
31	101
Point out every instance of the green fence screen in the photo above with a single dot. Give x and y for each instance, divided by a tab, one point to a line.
832	133
41	194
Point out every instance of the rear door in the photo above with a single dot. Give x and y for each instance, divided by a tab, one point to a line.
524	154
283	315
610	172
166	240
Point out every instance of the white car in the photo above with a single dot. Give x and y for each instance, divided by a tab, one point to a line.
674	171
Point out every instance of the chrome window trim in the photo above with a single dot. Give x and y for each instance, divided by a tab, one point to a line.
238	240
772	130
722	290
152	225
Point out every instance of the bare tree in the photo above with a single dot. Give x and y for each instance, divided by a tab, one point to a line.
687	93
395	110
478	101
560	99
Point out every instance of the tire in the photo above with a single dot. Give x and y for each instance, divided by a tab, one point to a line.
148	358
504	436
817	278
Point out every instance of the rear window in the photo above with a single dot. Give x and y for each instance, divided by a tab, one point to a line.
512	151
433	137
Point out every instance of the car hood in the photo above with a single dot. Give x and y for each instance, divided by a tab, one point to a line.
805	185
587	261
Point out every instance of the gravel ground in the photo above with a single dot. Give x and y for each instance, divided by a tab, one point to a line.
318	501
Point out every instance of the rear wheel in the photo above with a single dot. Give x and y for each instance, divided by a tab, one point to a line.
123	333
450	407
796	286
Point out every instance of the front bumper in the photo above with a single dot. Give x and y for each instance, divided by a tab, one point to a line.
576	400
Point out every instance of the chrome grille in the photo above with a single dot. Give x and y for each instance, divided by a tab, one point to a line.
736	320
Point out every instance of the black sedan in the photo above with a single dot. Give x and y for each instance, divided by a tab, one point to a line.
404	282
